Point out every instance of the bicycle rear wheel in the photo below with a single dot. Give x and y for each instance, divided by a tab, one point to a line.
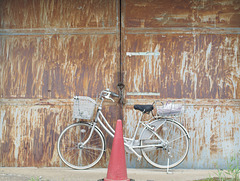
176	146
70	148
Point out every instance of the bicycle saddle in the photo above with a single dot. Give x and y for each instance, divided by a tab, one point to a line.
144	108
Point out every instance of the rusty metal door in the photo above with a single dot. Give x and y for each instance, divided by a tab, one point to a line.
177	49
53	50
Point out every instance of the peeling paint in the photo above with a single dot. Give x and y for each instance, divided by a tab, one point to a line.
188	64
54	69
174	13
213	129
198	61
143	93
53	50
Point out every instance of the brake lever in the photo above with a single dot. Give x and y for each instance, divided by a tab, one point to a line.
108	96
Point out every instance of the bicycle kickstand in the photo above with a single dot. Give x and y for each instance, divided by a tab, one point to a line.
168	172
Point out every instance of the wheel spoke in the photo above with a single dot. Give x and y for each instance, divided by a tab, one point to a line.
92	148
177	138
70	150
175	148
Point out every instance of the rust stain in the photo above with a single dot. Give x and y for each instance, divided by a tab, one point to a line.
57	14
199	66
213	129
57	66
30	130
53	50
174	13
29	134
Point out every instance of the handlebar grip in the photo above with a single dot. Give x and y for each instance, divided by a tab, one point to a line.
114	94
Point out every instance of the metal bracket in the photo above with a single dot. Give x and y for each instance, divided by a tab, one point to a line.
143	54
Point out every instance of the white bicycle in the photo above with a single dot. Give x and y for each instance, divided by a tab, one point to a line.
163	141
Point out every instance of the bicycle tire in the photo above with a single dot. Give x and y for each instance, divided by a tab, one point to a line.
171	154
70	150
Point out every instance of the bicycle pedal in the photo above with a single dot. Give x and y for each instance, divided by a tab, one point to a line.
139	158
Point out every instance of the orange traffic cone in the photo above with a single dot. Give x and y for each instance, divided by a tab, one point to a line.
117	170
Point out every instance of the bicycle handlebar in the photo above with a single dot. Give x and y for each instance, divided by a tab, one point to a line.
114	94
107	93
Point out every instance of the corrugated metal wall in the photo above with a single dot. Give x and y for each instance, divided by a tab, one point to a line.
53	50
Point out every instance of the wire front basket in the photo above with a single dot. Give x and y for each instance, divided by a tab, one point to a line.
83	107
170	108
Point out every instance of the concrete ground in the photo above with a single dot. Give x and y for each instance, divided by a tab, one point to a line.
95	174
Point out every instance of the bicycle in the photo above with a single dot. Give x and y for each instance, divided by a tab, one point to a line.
163	141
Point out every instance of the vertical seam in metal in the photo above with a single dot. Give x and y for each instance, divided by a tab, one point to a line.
120	38
120	83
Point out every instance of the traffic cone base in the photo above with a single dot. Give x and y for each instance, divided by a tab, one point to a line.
115	180
117	170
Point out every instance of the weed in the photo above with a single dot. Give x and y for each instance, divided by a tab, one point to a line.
37	179
230	174
221	175
233	168
33	179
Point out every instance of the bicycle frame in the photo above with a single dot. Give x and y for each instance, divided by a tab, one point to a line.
128	142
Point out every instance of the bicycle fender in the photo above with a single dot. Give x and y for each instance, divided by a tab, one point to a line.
179	124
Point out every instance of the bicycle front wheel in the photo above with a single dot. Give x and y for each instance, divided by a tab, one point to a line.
72	151
172	150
